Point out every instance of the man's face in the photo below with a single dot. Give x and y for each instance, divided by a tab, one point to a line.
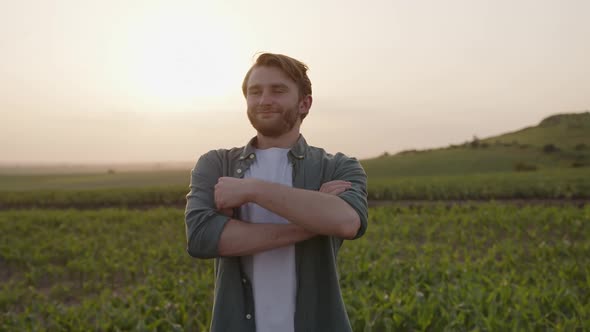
273	101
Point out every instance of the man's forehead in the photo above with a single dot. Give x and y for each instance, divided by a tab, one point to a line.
267	75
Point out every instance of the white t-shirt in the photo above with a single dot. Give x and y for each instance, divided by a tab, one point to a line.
272	273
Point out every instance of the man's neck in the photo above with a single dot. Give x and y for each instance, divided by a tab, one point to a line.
284	141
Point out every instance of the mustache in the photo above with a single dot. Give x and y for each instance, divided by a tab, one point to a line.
266	109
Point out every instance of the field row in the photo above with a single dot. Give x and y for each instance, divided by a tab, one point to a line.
571	184
487	267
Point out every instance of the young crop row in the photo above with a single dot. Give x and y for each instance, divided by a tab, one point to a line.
96	198
483	267
570	184
554	184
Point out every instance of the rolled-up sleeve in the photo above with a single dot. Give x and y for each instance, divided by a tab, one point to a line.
204	224
349	169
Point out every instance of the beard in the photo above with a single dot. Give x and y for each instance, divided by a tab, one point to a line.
278	124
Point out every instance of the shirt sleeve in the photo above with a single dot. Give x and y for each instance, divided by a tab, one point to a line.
204	224
349	169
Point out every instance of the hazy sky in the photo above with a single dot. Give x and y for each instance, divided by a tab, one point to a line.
129	81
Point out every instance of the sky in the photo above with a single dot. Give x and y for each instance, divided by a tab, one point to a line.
156	81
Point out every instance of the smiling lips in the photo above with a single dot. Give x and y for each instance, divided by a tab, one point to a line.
268	112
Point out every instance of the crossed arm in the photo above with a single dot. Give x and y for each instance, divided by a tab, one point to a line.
338	209
324	213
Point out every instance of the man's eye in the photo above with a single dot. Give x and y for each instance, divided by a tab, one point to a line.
254	92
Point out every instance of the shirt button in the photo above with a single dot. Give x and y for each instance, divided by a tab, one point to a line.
252	156
243	280
239	171
248	316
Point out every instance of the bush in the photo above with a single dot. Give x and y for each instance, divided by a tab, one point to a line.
524	167
579	163
550	148
580	147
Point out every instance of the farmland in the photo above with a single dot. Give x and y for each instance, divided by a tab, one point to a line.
147	190
104	249
547	161
486	266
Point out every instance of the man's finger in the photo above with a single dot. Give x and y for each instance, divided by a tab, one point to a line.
331	189
327	187
336	192
335	182
336	189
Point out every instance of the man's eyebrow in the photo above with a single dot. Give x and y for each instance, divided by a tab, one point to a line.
279	85
274	85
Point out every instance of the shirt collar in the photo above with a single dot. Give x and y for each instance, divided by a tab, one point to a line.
297	150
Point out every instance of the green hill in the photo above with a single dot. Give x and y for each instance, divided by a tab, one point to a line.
559	141
565	131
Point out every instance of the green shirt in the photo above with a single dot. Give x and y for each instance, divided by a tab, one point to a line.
319	304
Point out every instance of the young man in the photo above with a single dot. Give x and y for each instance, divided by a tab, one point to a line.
274	213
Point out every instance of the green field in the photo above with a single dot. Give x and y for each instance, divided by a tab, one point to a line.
486	267
547	161
548	184
105	250
148	189
84	181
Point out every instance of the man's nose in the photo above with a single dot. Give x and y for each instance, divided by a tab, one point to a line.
265	98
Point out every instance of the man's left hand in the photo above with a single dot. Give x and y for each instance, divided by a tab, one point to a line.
232	192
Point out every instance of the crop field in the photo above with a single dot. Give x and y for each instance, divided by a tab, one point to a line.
474	267
169	188
550	184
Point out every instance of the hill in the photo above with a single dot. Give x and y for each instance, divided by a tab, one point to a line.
565	131
558	141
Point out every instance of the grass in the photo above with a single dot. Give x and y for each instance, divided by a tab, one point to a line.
548	184
563	130
38	182
467	161
497	154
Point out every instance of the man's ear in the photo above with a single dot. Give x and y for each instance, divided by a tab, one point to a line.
305	104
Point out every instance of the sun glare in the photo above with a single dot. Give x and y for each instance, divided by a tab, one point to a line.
183	58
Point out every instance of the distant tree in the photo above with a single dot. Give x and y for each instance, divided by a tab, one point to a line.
407	152
550	148
475	142
111	171
384	155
